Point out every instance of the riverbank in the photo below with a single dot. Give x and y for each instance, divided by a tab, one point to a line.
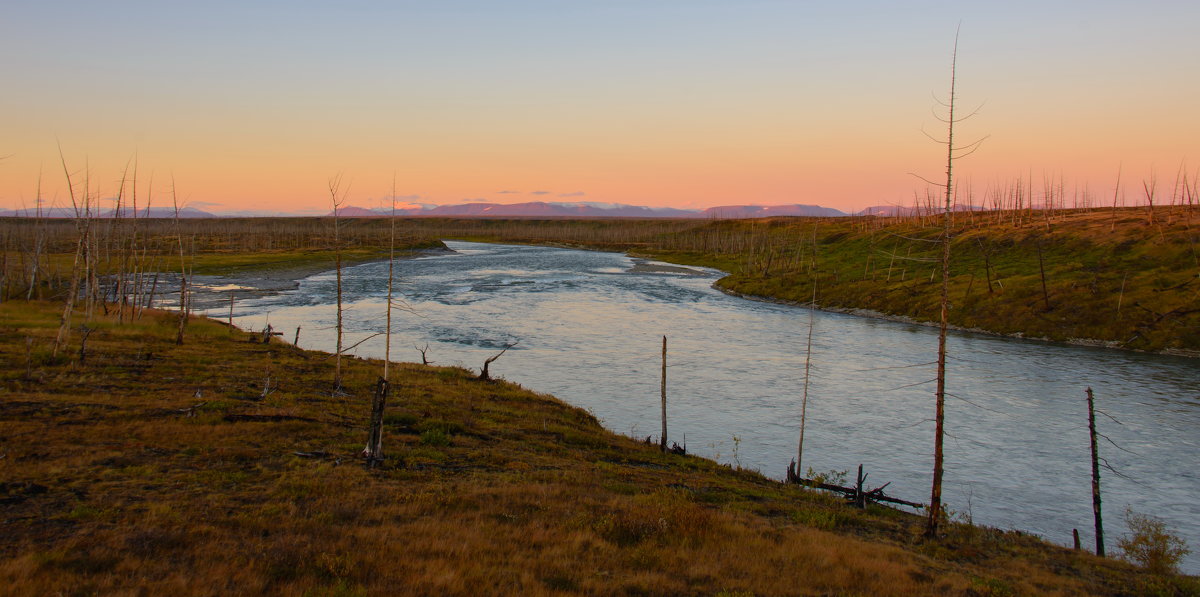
1126	278
129	455
212	290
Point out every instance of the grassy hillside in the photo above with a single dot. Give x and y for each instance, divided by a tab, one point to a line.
227	466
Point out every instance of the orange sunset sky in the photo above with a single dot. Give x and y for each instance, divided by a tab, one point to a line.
681	103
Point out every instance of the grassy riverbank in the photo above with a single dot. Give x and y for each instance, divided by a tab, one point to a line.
224	465
1128	278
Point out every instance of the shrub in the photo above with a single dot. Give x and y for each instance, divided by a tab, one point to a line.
1150	544
435	437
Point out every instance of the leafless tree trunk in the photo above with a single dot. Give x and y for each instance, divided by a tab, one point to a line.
81	223
662	441
374	449
183	271
812	309
952	153
1095	475
336	198
1042	269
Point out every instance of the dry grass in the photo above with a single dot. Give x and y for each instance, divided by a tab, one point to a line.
119	479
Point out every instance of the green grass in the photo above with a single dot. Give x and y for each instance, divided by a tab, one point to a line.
118	479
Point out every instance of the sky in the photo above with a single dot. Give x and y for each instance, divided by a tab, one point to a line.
673	103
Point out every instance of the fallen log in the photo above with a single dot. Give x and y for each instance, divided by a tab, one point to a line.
854	494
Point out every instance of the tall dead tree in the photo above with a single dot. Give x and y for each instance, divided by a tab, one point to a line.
812	309
336	198
662	441
374	449
81	226
1095	475
953	153
183	272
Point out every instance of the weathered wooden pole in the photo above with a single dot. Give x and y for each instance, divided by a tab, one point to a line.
860	498
374	449
1095	475
230	311
663	391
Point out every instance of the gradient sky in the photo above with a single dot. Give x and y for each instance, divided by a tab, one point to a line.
684	103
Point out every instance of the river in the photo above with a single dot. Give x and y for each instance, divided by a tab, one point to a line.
588	328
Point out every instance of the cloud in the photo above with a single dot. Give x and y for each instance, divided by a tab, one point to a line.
575	194
477	200
540	193
199	204
508	192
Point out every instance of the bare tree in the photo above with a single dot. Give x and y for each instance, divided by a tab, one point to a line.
183	270
662	441
374	448
337	197
812	309
1099	519
953	153
81	227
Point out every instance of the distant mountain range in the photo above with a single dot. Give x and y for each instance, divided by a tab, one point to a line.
594	210
533	209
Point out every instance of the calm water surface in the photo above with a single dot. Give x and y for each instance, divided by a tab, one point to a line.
589	328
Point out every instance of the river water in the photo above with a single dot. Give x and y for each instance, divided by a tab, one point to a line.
589	326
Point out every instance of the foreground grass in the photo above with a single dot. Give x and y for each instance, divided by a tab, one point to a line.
147	467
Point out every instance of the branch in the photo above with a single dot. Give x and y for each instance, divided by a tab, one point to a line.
484	373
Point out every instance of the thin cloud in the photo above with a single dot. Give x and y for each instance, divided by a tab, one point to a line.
540	193
575	194
508	192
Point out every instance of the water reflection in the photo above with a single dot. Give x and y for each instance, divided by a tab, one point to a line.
589	326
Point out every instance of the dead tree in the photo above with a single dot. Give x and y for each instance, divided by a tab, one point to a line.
1095	475
812	310
336	198
81	225
662	441
424	354
484	375
374	450
952	153
84	332
183	273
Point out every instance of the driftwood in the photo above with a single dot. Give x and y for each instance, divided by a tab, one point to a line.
674	449
191	410
484	375
855	495
233	418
